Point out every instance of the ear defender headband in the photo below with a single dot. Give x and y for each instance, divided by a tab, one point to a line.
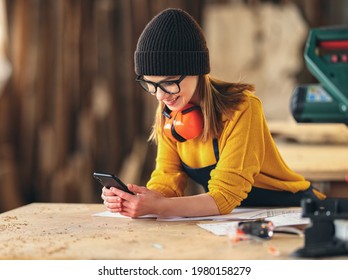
183	125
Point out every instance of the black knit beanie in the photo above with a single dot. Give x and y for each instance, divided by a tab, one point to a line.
172	43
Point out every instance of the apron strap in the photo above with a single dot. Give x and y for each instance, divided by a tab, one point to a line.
216	149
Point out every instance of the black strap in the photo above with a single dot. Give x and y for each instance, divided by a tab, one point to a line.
216	149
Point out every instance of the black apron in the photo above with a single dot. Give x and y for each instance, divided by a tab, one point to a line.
257	196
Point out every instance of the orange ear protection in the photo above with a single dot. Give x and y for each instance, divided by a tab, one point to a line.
185	124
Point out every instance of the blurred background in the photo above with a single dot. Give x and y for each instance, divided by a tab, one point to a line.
69	104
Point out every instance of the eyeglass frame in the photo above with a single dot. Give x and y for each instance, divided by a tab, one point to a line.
139	79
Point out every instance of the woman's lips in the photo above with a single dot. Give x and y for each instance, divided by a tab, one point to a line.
171	102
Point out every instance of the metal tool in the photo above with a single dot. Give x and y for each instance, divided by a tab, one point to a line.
326	57
325	237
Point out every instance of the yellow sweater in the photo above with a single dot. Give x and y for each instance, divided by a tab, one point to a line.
248	157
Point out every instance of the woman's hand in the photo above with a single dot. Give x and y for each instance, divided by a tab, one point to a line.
146	201
143	202
111	201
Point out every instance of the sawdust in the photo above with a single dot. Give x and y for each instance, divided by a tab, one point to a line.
10	218
11	224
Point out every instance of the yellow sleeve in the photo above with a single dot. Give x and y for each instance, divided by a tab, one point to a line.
168	178
242	152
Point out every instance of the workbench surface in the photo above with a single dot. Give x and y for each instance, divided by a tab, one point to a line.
319	152
70	231
316	162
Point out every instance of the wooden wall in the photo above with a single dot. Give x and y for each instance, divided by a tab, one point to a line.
71	105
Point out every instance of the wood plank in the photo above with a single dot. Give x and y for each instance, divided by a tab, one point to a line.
309	132
317	162
10	194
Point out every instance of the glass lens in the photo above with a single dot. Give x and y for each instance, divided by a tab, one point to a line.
169	87
148	86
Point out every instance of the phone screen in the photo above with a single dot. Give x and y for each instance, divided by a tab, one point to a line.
109	180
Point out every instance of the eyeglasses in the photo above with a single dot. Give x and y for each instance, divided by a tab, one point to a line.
170	87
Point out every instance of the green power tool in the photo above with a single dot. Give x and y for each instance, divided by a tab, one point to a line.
326	57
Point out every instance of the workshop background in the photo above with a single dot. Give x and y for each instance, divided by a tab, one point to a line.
69	104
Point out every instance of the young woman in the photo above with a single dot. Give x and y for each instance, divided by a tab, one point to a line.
212	131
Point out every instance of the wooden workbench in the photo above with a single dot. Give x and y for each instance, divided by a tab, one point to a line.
70	231
316	162
319	152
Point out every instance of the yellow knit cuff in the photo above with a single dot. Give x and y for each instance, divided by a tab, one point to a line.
224	205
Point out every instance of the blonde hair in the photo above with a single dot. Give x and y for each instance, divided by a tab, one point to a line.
217	98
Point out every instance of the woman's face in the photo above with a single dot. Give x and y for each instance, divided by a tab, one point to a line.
176	101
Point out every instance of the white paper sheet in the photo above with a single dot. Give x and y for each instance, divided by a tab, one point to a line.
220	228
281	220
118	215
238	214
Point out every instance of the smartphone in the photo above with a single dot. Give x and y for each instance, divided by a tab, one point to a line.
110	180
